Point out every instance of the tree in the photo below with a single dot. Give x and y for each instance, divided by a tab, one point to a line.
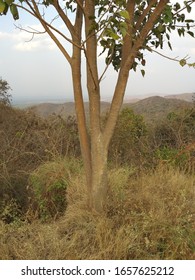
5	96
124	29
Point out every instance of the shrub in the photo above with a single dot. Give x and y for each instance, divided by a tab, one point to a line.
127	142
48	184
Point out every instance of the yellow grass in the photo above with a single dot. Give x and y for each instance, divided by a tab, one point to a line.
150	216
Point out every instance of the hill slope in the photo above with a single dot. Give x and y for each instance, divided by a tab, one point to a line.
151	108
157	107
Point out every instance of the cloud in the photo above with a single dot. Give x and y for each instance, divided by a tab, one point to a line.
36	44
24	41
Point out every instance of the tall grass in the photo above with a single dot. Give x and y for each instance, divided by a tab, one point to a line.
150	216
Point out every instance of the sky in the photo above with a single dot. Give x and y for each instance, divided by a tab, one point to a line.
36	69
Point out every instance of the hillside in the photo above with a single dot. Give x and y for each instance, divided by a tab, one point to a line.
157	107
64	110
150	108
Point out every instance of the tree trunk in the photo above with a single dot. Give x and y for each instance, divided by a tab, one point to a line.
99	175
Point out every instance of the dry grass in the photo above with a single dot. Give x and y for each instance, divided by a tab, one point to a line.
147	217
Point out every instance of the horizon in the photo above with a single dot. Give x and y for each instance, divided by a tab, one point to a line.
23	102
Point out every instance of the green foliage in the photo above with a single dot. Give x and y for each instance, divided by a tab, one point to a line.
172	156
112	23
5	96
117	24
14	11
126	144
3	7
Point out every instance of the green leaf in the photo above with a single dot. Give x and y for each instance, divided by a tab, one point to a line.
188	7
161	28
177	6
123	28
191	33
14	11
169	44
182	62
2	6
9	2
181	31
110	33
168	16
143	72
124	14
123	31
6	9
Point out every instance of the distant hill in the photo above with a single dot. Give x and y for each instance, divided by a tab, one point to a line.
151	108
157	107
183	96
64	110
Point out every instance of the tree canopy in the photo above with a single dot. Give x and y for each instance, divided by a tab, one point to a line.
113	21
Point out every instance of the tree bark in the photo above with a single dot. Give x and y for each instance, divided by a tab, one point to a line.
98	150
79	102
99	174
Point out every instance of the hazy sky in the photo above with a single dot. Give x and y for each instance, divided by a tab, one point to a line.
37	69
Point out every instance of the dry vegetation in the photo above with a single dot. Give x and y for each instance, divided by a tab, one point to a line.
149	213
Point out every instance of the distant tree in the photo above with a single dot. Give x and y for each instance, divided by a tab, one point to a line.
122	30
5	96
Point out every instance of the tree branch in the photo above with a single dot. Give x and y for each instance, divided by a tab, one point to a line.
64	17
144	14
47	27
173	58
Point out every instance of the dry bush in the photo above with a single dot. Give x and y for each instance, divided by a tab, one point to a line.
147	217
26	142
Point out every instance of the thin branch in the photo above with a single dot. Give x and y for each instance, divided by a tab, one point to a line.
172	58
184	26
106	68
165	56
38	16
47	29
34	31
